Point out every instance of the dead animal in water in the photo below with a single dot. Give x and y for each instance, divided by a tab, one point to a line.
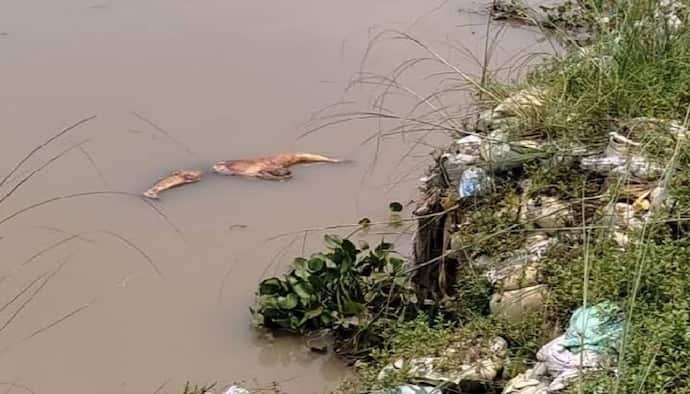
176	178
273	167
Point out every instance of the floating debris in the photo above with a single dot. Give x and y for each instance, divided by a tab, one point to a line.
274	167
175	179
395	206
236	390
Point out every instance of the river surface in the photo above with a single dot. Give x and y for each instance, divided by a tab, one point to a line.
220	79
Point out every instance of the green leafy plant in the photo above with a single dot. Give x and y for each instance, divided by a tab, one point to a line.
346	290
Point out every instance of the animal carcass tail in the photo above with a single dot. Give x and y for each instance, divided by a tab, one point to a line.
290	159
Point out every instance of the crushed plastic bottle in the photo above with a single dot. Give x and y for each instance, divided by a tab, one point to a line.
502	153
473	182
622	159
463	153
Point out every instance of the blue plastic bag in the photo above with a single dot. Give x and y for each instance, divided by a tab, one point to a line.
598	328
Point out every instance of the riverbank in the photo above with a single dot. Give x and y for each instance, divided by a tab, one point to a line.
551	241
565	195
205	75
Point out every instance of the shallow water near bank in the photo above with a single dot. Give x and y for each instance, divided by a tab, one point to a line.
224	80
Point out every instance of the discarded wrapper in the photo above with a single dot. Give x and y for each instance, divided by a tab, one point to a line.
548	212
236	390
479	369
465	150
622	158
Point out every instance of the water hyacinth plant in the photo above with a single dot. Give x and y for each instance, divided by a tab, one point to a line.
346	290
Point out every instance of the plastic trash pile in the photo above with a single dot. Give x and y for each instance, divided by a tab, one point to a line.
411	389
501	176
645	190
591	342
630	177
516	278
669	15
474	366
490	147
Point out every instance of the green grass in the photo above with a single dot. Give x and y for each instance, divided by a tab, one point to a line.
647	73
633	69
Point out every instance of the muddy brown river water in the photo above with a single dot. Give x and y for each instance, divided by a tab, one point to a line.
225	79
